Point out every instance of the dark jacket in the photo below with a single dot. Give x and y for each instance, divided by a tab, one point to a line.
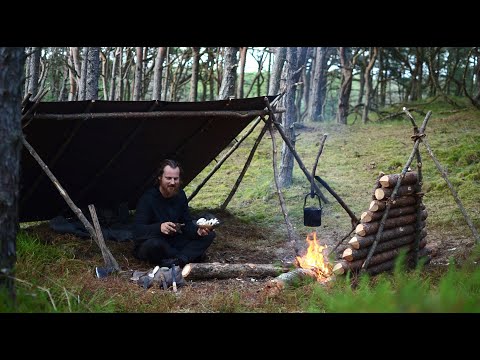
154	209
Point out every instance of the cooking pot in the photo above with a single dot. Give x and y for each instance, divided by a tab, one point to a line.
312	215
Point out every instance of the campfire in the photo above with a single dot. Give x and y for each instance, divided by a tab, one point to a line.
314	259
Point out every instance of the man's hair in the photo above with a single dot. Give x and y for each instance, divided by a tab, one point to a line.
173	164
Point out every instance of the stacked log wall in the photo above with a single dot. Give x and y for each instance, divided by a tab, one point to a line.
400	229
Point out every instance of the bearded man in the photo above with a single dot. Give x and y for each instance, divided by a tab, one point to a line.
165	233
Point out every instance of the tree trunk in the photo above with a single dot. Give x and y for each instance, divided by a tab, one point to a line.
241	72
194	78
201	271
319	83
346	65
295	61
137	90
227	88
34	71
274	85
368	83
12	60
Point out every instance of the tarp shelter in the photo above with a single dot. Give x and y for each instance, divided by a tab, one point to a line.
106	152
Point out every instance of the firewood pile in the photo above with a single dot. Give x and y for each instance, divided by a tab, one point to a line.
403	227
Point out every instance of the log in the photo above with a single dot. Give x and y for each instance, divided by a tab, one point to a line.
369	216
380	205
372	227
274	286
359	242
216	270
390	264
353	254
388	181
383	193
344	266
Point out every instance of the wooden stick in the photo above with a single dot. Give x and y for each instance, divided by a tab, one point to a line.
152	115
245	167
63	193
222	160
292	235
453	191
107	255
294	152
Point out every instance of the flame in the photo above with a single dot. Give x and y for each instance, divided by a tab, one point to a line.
314	258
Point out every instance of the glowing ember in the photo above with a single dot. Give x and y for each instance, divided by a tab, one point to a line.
314	258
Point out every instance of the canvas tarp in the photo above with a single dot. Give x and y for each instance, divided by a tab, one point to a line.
109	155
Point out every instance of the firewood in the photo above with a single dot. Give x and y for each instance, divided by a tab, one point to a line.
369	216
383	193
198	271
358	242
372	227
390	264
274	286
343	266
353	254
380	205
389	181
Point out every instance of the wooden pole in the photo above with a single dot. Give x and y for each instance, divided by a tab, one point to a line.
295	154
245	167
67	198
292	236
222	160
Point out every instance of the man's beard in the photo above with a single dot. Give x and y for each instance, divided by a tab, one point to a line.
170	191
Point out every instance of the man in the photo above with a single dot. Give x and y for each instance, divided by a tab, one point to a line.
164	231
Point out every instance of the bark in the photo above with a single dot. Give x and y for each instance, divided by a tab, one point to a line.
380	205
360	242
404	242
369	216
12	60
115	69
372	228
93	73
34	71
202	271
83	76
389	181
227	88
384	193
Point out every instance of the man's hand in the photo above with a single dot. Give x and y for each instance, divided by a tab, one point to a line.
168	228
203	231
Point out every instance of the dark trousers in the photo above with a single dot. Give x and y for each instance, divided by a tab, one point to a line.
154	250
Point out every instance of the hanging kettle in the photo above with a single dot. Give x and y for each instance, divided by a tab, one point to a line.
312	215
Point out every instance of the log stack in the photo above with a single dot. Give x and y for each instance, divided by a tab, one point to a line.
403	226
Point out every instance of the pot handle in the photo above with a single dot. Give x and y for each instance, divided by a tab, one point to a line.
312	195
